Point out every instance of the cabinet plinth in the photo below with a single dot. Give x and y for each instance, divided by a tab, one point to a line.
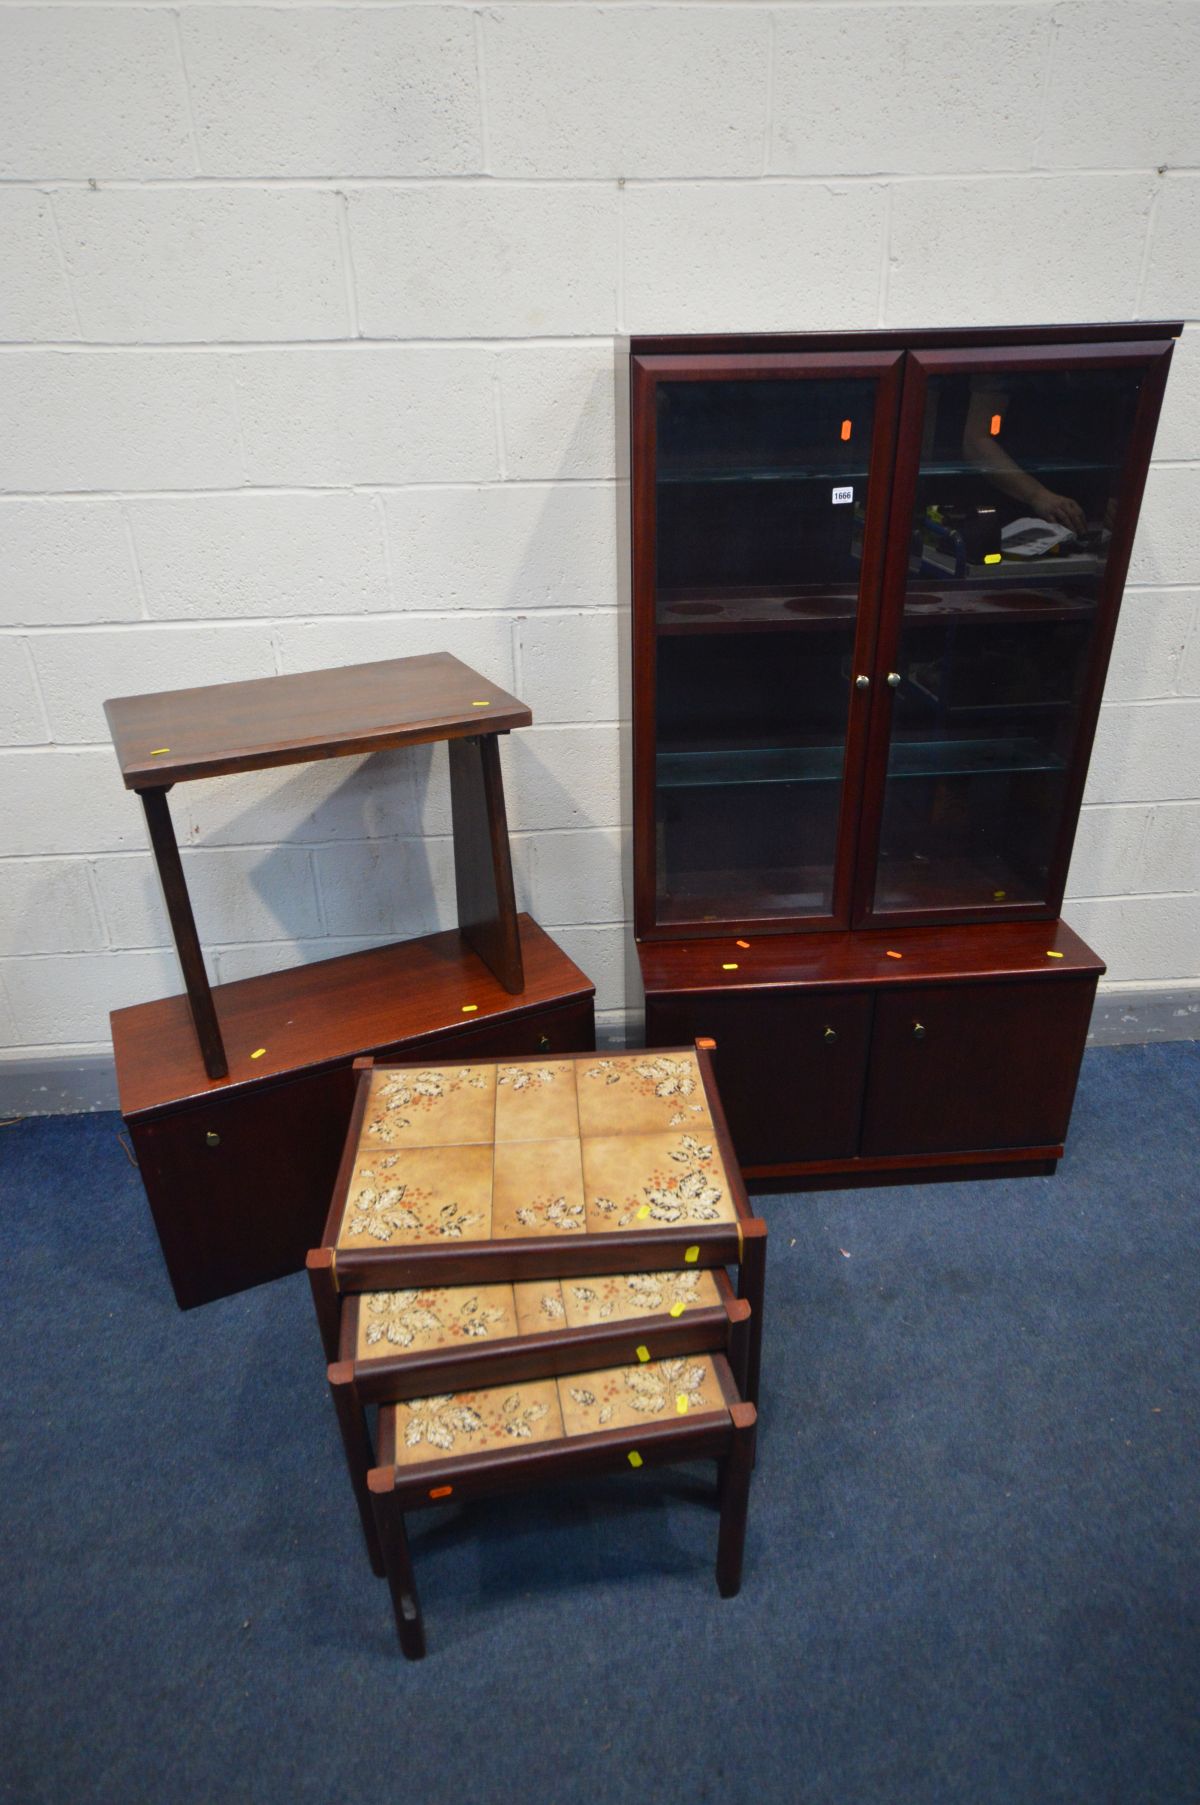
876	579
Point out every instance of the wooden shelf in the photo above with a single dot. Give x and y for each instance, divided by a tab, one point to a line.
182	734
320	1015
843	961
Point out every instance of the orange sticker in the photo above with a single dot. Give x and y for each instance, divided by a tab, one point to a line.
845	431
995	425
891	955
743	943
440	1491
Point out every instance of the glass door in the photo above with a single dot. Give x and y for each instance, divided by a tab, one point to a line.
760	503
1017	487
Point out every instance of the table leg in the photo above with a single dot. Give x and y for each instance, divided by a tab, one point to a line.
736	1468
487	903
405	1603
360	1457
183	926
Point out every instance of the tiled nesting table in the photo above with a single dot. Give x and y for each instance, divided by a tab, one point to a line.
499	1229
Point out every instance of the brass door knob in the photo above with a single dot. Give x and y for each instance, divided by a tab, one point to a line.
862	681
918	1030
830	1036
212	1138
893	679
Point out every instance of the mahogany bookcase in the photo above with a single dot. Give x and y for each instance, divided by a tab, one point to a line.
875	582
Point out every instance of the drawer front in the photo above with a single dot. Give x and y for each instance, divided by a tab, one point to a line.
240	1186
973	1066
790	1066
568	1028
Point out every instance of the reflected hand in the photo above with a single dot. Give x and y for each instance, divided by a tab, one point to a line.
1058	508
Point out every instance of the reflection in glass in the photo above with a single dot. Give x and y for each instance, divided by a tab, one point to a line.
760	502
1011	529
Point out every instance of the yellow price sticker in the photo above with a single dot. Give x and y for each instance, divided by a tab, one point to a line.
691	1255
634	1458
678	1309
643	1353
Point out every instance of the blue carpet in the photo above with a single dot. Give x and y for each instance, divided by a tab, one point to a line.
971	1573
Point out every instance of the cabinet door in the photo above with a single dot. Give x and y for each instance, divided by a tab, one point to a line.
790	1067
760	494
974	1066
1018	482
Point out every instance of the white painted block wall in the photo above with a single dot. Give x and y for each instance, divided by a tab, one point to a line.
305	347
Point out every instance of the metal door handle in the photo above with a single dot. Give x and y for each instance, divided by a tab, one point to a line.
918	1030
893	679
862	681
830	1036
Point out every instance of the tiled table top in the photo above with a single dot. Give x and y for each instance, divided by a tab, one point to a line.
392	1323
549	1410
487	1153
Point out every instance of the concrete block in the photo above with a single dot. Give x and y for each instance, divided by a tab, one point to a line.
334	799
1171	860
562	777
22	720
66	999
46	906
752	257
1167	546
367	414
79	672
35	302
557	408
484	642
1152	939
1025	248
577	877
66	801
625	91
1189	664
1178	434
1173	266
260	555
91	92
1152	632
546	261
514	547
865	90
394	888
325	91
172	264
569	666
1122	86
65	561
1146	752
1107	857
117	420
238	893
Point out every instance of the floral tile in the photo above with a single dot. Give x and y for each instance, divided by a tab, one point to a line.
639	1093
468	1422
535	1101
440	1106
626	1397
419	1194
401	1322
621	1297
654	1181
539	1305
537	1189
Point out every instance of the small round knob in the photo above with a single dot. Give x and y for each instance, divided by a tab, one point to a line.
212	1138
543	1043
862	681
893	679
918	1030
830	1036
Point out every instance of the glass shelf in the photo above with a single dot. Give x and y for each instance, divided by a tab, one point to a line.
823	764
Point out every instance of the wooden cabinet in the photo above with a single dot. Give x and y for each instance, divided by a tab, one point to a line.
875	585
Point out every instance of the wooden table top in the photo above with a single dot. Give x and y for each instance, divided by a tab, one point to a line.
179	734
